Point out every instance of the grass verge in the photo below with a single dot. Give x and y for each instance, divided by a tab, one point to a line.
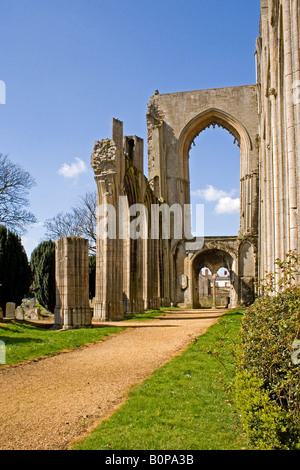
148	315
185	405
25	342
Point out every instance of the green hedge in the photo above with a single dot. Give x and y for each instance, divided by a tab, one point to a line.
267	425
267	380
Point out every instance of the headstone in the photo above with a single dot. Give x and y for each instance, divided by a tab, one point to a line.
10	310
2	353
19	313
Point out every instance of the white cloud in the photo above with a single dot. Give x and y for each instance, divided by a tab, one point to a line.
228	205
210	193
73	170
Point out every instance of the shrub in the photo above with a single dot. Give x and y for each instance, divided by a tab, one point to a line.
267	425
267	382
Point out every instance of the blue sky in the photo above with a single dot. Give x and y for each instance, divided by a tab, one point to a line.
71	65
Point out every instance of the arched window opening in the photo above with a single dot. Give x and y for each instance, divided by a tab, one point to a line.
214	174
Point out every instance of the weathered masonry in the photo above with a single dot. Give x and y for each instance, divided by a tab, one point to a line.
138	273
264	120
174	121
127	270
278	91
72	283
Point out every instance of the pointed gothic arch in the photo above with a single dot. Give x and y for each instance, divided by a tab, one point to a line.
215	117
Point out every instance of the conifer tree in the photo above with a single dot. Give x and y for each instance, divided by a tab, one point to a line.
42	264
15	275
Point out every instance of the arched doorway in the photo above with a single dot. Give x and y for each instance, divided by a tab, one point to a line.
214	279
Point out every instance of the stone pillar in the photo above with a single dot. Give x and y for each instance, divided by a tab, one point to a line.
108	164
295	18
214	277
290	121
72	283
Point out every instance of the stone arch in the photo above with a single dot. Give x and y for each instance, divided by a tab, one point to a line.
213	259
214	117
248	179
180	117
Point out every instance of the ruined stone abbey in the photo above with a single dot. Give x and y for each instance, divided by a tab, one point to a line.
134	274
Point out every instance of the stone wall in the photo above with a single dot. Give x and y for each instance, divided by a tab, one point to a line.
127	268
278	75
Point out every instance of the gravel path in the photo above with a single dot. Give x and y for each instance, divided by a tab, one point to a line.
45	405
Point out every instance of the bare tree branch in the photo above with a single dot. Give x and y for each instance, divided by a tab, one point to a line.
79	222
15	184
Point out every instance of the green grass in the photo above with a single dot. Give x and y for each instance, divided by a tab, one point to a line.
25	342
148	315
185	405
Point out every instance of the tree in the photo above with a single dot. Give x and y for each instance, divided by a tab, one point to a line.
15	275
15	184
79	222
42	265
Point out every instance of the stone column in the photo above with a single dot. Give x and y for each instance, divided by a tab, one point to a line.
189	291
295	18
290	122
274	138
72	283
214	277
108	165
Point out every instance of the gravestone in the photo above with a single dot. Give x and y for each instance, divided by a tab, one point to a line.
10	310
